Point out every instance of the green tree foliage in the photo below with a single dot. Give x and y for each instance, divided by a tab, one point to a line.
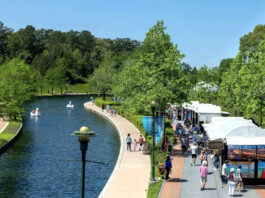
223	67
207	85
250	43
4	33
155	75
16	87
242	82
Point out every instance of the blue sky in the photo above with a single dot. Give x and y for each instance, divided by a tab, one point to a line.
206	31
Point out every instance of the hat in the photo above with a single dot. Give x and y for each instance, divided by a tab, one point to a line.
195	132
204	163
232	170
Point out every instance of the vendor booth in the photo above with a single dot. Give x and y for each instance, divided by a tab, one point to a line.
245	145
200	112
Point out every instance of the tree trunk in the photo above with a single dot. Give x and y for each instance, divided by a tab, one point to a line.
15	118
52	89
236	113
104	96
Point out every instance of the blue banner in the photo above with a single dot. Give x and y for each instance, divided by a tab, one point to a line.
159	126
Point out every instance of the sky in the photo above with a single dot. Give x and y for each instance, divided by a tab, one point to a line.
206	31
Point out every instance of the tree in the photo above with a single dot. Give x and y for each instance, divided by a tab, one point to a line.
4	33
229	95
17	87
155	75
102	79
224	66
206	88
249	43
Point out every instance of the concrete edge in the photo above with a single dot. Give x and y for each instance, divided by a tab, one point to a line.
118	162
4	127
161	189
10	142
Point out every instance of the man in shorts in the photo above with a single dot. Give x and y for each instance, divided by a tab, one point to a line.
194	151
224	174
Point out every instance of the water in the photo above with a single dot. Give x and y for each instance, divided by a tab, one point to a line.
42	163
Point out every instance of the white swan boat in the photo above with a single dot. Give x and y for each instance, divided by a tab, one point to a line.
35	113
70	105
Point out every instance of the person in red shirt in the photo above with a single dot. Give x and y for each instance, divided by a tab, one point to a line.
141	141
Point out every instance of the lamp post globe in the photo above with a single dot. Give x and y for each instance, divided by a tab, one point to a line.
83	137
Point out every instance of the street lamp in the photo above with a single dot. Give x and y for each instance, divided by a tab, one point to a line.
153	107
83	137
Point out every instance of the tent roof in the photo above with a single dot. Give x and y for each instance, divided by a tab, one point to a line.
202	107
236	130
220	127
246	135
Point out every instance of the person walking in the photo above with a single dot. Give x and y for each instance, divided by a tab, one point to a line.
203	174
194	150
216	160
231	182
168	166
183	143
141	141
129	141
203	156
224	174
239	181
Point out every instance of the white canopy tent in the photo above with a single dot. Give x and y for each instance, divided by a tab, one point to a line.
246	135
204	111
236	131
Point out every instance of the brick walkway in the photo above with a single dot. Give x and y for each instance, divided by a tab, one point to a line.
172	187
261	190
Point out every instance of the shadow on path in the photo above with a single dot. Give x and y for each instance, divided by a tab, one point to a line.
177	180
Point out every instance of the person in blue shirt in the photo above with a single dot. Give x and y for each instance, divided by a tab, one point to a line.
168	166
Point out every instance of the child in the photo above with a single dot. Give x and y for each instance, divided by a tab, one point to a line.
134	145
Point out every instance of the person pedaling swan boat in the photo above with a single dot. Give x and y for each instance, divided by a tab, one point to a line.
35	113
70	105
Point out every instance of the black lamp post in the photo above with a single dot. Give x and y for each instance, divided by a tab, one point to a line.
153	107
83	137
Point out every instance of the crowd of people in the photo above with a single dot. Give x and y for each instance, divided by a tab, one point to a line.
194	141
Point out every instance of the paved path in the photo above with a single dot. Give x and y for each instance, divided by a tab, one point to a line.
131	174
213	187
172	187
185	182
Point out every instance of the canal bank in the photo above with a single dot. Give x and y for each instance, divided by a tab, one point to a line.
9	131
131	174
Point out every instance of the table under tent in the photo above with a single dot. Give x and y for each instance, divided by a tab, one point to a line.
244	145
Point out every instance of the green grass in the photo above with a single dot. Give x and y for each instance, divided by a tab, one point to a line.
9	132
76	88
136	119
154	189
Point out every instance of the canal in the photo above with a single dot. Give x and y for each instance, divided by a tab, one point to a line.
45	159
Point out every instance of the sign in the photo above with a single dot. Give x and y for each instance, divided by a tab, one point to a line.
159	126
216	144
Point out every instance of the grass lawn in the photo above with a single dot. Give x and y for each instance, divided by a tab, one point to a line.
76	88
9	132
